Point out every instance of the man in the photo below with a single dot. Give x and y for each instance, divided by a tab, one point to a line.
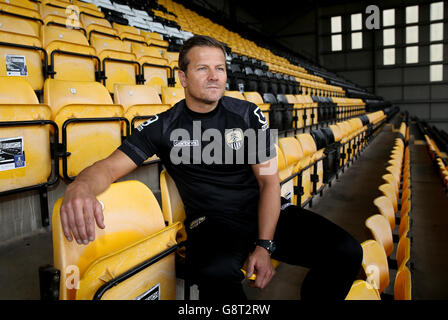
219	152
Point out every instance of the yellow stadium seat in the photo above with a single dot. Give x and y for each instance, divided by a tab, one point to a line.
154	39
385	207
22	56
118	63
172	206
374	263
287	188
293	155
403	284
171	95
140	102
315	173
20	20
98	26
84	141
24	4
48	9
134	233
156	70
388	191
129	33
403	251
70	55
26	155
390	179
362	290
234	94
380	228
404	227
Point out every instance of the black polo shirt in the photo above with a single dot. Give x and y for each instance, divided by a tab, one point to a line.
209	157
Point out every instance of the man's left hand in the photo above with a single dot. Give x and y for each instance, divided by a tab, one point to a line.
260	261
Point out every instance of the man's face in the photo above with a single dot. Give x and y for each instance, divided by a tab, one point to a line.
205	79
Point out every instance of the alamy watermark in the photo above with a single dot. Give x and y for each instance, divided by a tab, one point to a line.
250	146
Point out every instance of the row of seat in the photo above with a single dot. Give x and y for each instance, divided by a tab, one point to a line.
437	158
394	206
291	112
195	23
67	102
72	113
95	50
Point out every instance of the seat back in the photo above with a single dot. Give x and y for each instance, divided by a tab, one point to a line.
16	21
134	232
77	61
362	290
138	101
384	205
172	95
309	149
307	144
119	64
403	284
129	95
172	205
389	178
234	94
403	251
24	62
380	228
292	153
141	50
87	142
389	191
156	70
59	93
404	226
374	263
26	158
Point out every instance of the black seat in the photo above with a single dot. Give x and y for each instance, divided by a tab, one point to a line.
275	111
273	83
263	81
364	119
331	160
287	112
251	80
236	78
319	138
294	85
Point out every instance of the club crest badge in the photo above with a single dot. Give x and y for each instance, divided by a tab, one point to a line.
234	138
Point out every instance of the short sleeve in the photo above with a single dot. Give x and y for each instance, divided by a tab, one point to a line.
143	141
265	137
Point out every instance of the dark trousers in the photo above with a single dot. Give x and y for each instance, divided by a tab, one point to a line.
216	253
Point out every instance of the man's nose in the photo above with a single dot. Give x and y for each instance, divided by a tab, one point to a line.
212	75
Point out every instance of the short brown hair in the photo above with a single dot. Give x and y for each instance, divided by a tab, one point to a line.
196	41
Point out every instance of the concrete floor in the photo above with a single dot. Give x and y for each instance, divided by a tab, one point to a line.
348	203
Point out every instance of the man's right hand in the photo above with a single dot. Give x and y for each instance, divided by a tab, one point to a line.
79	211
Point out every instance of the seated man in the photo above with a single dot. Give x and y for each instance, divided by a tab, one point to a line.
221	155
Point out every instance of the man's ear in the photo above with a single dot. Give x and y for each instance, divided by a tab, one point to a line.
182	77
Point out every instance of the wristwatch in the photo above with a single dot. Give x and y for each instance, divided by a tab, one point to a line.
269	245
